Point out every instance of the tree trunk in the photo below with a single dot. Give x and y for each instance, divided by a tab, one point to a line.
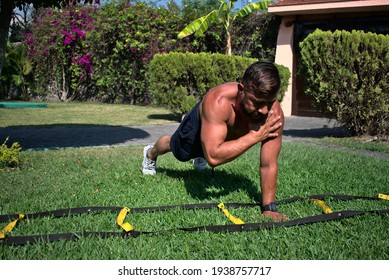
6	9
229	48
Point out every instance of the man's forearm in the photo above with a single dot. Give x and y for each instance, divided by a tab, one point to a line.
229	150
268	183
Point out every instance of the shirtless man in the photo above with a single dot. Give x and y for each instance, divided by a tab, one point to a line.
230	119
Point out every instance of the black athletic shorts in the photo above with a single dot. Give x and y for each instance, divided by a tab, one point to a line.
185	143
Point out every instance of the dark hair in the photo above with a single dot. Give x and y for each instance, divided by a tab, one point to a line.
262	78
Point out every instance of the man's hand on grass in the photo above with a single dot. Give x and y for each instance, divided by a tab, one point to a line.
275	216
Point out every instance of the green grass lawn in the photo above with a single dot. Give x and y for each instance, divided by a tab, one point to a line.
57	179
86	114
66	178
359	143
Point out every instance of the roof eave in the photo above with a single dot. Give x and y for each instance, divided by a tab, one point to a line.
326	8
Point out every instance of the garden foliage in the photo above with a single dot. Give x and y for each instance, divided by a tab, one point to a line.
179	80
16	74
59	51
347	73
125	39
102	53
9	156
84	52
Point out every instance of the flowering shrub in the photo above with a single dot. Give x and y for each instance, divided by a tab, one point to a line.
125	40
59	49
101	53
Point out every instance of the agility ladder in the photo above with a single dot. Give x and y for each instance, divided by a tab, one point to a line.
129	231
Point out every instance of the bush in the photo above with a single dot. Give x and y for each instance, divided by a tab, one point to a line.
16	75
179	80
58	47
81	52
285	76
347	73
126	38
9	157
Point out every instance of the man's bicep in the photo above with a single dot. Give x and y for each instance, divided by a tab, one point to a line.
213	134
213	122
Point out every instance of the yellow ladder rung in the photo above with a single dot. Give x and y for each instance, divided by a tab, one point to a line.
233	219
383	196
120	220
323	205
10	226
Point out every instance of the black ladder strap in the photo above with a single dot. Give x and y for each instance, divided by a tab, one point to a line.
22	240
91	209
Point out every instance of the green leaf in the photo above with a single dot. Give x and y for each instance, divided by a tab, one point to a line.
199	26
209	19
191	28
17	79
257	6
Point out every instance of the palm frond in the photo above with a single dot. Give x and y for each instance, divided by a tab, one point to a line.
257	6
198	24
191	28
209	19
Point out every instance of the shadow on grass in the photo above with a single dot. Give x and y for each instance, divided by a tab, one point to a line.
168	117
337	132
200	184
67	136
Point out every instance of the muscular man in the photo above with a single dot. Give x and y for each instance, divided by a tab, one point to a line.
230	119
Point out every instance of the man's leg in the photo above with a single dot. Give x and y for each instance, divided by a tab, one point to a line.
150	154
162	146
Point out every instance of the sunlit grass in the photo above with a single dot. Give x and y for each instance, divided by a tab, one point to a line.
86	114
57	179
369	143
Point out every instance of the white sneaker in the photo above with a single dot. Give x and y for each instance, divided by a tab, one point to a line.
148	165
199	163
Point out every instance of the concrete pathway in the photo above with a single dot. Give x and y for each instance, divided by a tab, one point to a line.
66	136
301	129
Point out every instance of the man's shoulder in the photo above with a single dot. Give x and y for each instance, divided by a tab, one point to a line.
230	86
219	105
278	109
224	92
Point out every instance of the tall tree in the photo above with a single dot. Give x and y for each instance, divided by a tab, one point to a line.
21	23
7	8
226	15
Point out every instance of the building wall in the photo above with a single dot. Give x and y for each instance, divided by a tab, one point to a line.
295	101
284	56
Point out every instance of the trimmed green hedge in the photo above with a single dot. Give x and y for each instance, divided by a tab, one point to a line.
179	80
347	73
